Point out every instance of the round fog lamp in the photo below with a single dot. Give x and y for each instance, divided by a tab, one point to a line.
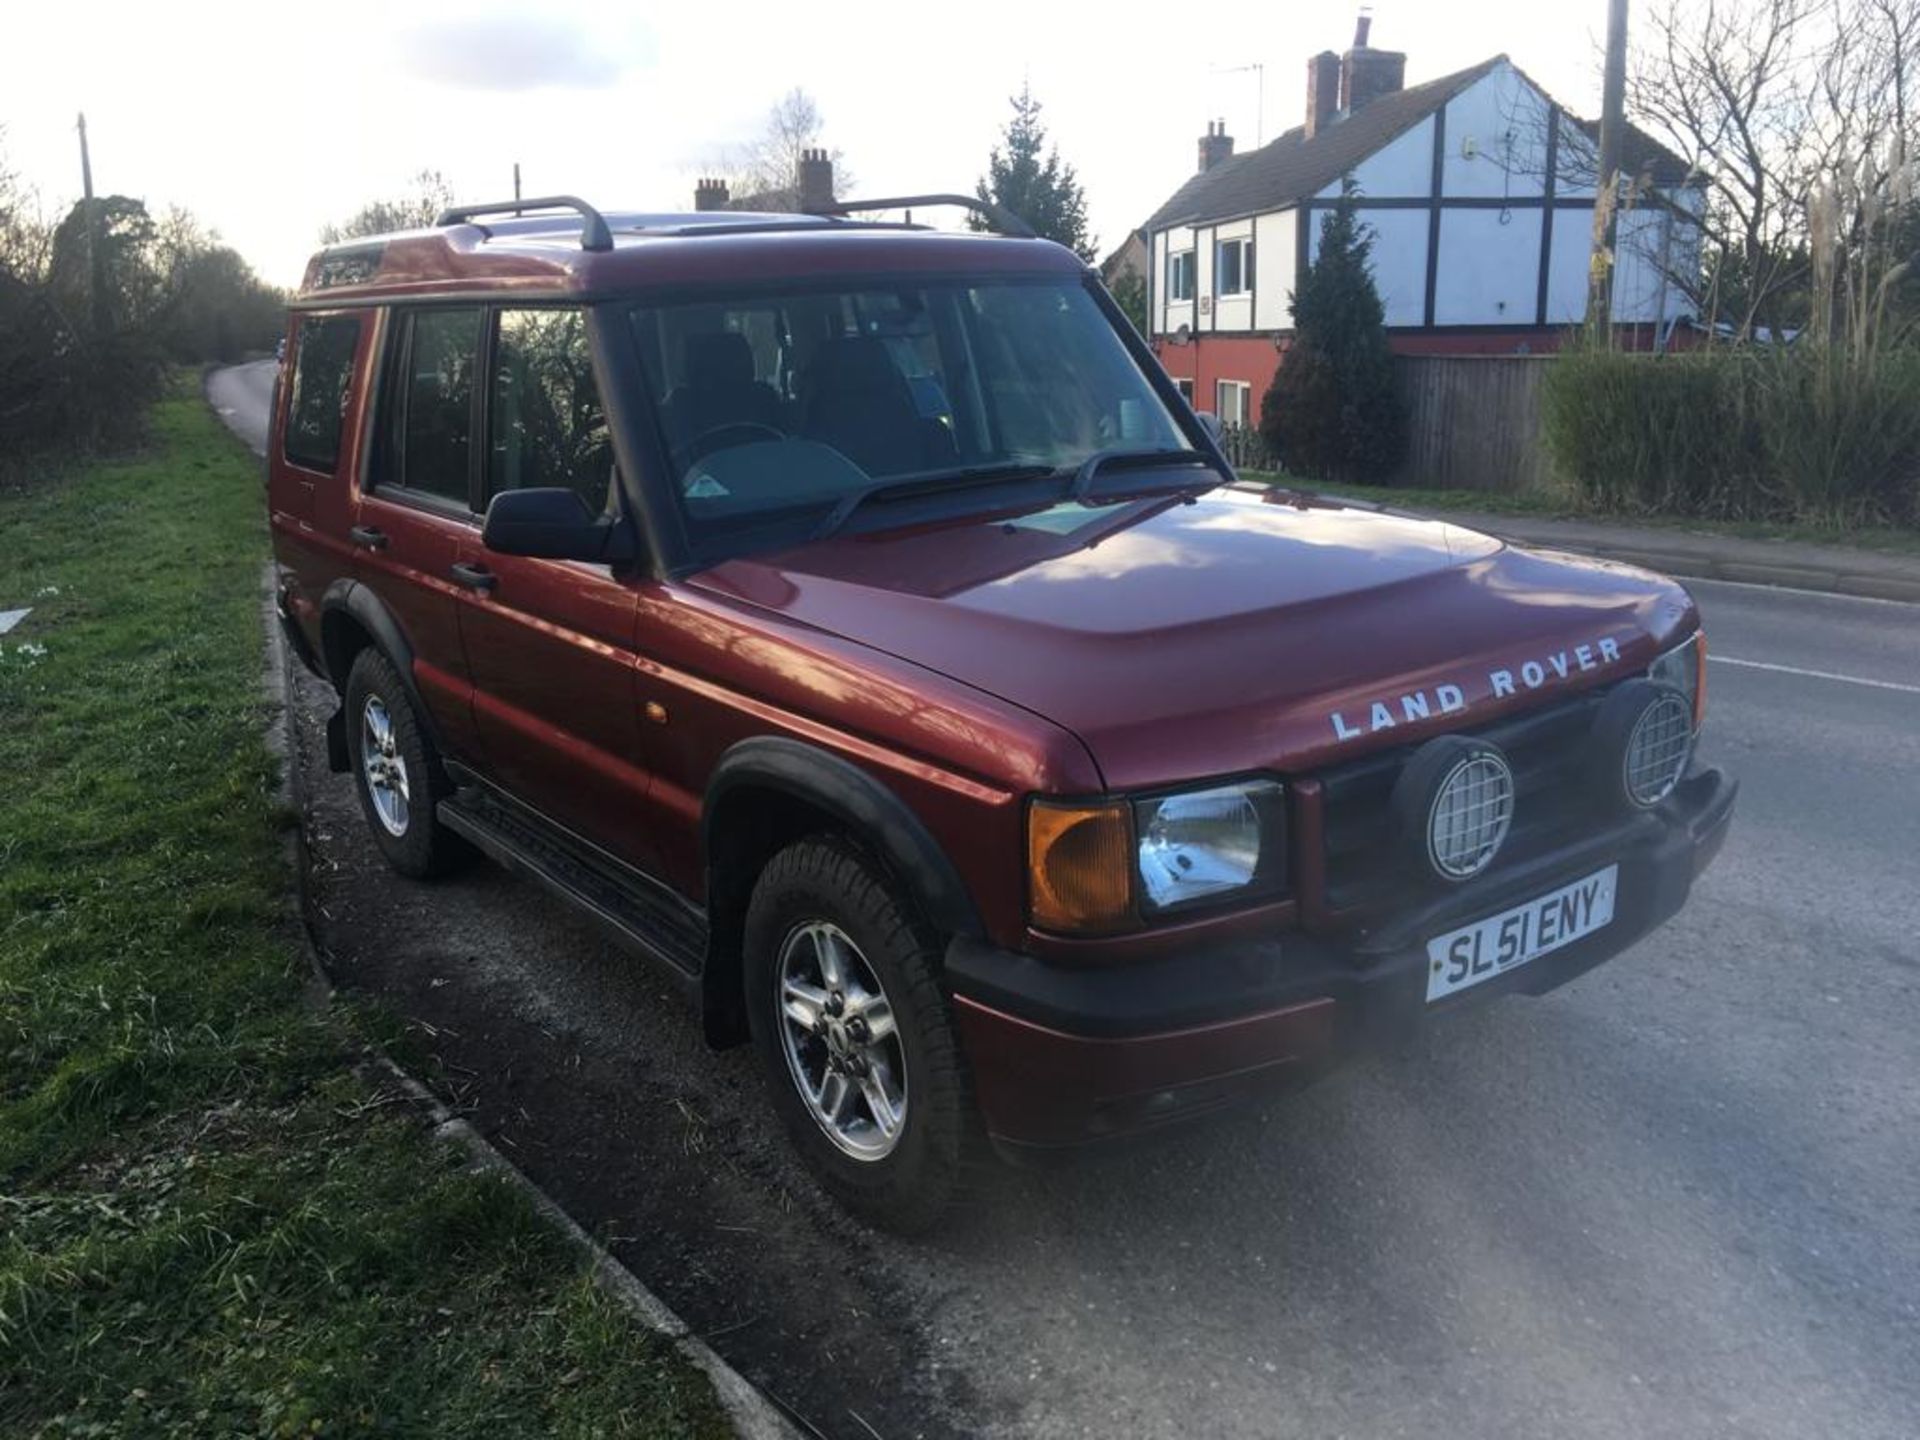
1455	799
1658	747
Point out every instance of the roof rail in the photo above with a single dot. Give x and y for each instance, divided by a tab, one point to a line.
594	234
1004	220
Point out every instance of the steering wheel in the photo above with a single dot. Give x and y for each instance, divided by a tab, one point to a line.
717	438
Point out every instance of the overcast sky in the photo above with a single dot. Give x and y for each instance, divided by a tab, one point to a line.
268	120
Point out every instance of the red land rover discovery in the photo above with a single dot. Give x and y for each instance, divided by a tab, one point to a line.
855	619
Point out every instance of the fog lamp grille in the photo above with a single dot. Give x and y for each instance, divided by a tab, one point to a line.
1659	748
1471	812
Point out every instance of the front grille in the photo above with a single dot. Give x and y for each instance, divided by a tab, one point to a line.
1551	754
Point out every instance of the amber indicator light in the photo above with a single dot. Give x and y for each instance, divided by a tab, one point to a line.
1700	680
1080	862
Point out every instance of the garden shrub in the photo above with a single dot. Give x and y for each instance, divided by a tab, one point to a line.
1794	433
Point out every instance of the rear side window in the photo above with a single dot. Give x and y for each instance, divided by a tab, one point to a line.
322	366
547	427
426	433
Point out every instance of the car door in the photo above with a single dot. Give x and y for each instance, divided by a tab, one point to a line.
415	507
316	404
550	642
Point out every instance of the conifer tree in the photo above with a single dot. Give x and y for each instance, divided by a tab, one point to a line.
1027	176
1332	411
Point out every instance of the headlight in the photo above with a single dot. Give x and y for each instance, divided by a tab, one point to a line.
1096	868
1685	668
1210	843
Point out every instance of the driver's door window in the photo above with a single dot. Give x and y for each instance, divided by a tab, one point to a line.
546	425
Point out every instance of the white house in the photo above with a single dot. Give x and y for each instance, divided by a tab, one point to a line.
1479	188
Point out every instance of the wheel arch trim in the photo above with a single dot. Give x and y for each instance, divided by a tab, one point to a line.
357	603
876	816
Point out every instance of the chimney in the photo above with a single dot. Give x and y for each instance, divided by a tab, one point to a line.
816	181
710	195
1216	145
1366	74
1323	91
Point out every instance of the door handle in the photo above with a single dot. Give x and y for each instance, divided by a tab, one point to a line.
474	577
367	537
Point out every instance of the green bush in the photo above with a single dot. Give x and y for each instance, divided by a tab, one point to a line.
1802	433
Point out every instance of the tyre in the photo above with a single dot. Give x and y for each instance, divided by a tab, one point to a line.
847	1012
396	771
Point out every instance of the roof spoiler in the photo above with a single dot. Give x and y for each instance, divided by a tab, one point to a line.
1002	219
594	234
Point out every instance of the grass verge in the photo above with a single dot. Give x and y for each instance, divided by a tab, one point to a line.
1891	539
209	1224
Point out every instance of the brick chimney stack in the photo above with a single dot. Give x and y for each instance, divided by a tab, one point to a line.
1323	91
1216	145
710	194
1366	74
815	181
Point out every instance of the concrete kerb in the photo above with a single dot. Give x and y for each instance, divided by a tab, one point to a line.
755	1415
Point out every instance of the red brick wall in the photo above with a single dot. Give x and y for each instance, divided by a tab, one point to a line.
1207	359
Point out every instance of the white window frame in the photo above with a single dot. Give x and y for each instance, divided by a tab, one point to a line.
1185	387
1174	257
1243	279
1242	392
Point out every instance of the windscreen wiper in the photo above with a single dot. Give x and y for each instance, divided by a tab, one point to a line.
1091	467
961	479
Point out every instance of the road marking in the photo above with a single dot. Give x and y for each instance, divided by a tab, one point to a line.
1694	580
1816	674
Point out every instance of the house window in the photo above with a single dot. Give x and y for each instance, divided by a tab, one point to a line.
1233	267
1233	401
1180	275
1185	387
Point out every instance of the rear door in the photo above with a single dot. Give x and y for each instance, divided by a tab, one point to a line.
415	508
550	642
309	446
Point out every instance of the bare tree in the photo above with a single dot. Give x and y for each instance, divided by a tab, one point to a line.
766	169
419	207
1770	103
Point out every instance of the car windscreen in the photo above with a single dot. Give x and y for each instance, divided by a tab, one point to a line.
776	406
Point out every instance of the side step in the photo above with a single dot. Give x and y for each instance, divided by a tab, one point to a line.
632	910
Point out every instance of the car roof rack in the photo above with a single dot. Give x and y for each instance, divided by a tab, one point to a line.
594	234
1003	219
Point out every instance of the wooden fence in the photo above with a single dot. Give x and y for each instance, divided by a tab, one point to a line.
1473	421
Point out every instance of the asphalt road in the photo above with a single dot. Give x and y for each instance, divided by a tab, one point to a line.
1675	1198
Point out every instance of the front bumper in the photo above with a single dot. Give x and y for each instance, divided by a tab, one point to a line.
1064	1054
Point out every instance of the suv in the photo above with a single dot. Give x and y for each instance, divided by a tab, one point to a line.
854	618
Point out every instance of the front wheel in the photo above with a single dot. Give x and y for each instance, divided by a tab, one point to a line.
847	1011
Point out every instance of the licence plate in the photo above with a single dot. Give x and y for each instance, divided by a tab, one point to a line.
1474	953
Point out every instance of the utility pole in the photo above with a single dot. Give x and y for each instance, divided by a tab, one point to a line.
96	251
516	184
1606	206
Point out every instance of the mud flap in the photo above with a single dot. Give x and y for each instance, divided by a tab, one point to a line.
337	741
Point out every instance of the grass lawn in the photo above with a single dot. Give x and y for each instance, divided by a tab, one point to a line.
1543	506
209	1225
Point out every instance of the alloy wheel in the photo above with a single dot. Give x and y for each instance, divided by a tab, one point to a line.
384	768
838	1032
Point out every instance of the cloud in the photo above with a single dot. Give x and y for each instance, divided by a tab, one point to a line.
514	52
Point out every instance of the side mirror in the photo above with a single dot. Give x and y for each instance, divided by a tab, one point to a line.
553	524
1210	423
